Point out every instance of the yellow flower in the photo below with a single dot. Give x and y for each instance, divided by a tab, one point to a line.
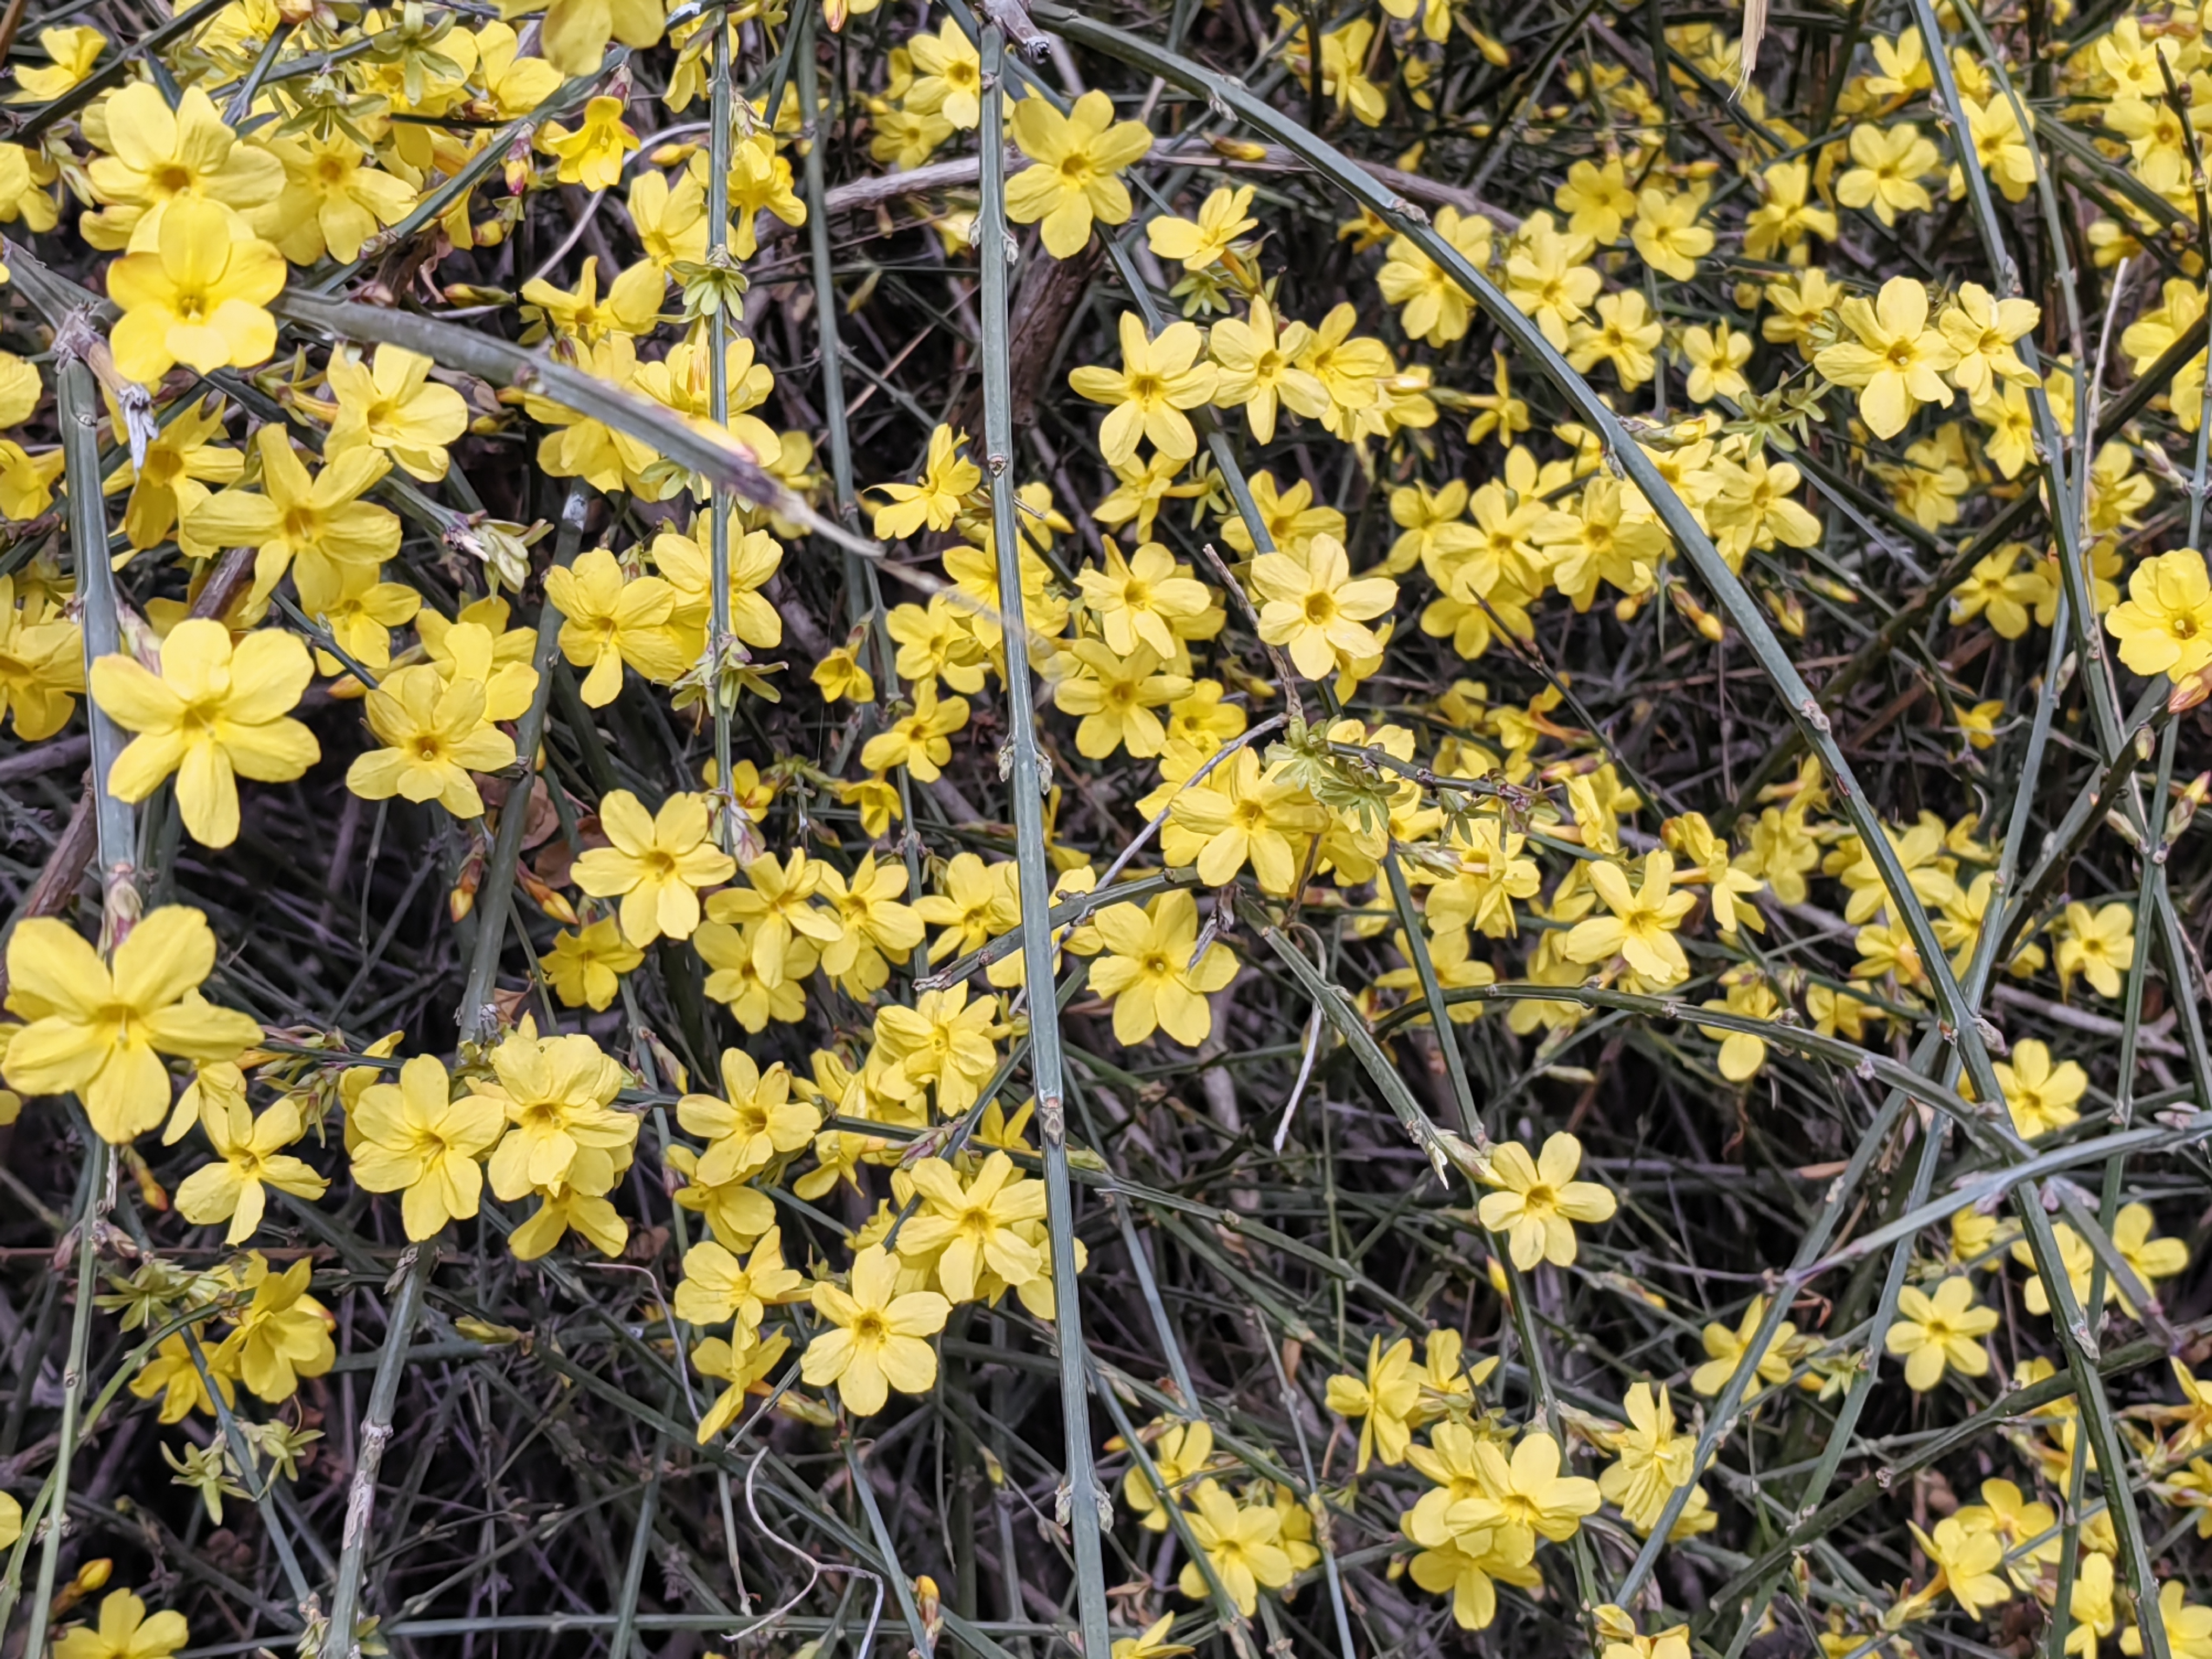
210	713
317	520
1899	361
1889	168
1238	815
282	1335
575	32
74	51
2097	945
1383	1399
760	182
171	1374
1148	972
586	967
612	622
1979	722
2188	1626
775	909
688	569
1142	599
1259	372
1159	380
125	1632
2040	1097
592	155
716	1287
1667	234
1651	1460
2150	1258
1623	1641
249	1158
1545	279
632	306
1241	1544
876	1342
197	297
948	77
670	219
1526	1499
173	479
1179	1457
1153	1643
557	1094
572	1208
1116	692
839	676
41	665
1312	607
1982	330
1716	358
159	157
1743	1053
2165	626
2075	1256
1437	308
975	901
1725	1349
1788	214
740	1364
656	866
1539	1199
1223	216
872	922
412	1138
974	1229
333	202
946	476
1344	54
943	1039
737	980
1289	515
1641	929
1624	334
1945	1330
1078	158
512	86
1904	66
1966	1565
921	740
2004	1511
755	1125
392	404
359	612
434	736
736	1211
1596	200
99	1031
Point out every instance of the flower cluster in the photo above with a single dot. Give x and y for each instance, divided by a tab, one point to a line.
1615	617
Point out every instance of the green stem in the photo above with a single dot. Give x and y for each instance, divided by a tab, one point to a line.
719	638
1026	780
